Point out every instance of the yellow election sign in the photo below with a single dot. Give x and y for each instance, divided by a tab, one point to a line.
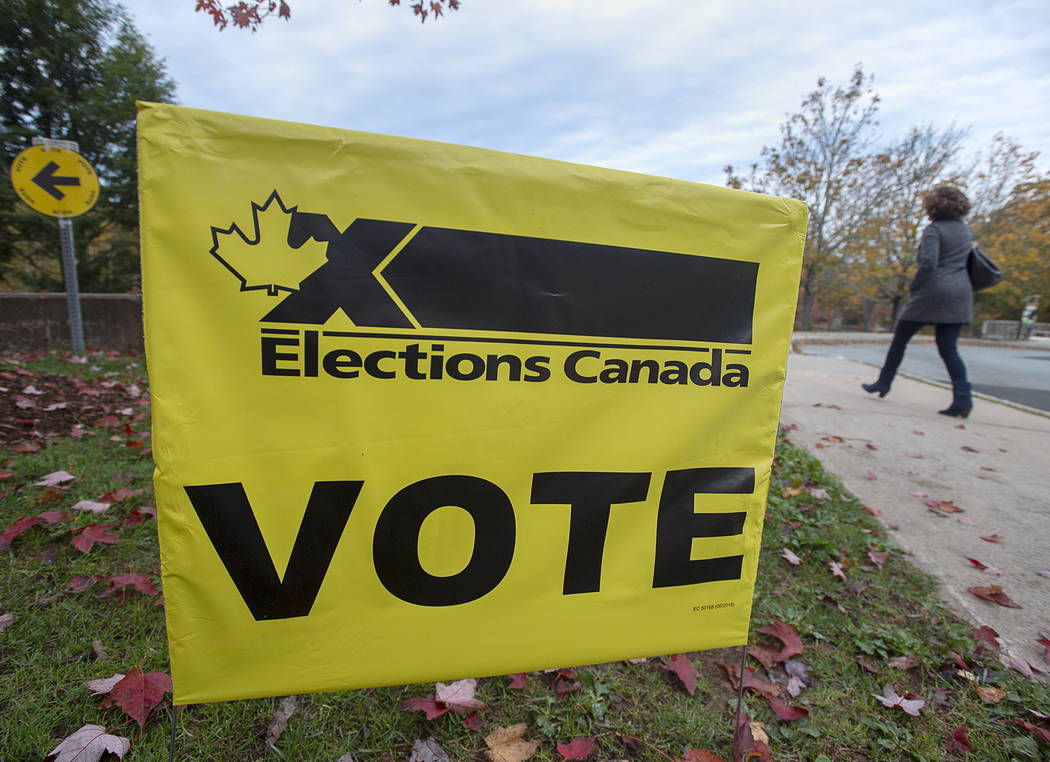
55	181
424	412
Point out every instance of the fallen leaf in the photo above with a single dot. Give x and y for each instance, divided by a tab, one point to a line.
918	493
93	533
27	448
750	740
992	538
872	511
988	468
918	433
19	526
459	696
790	557
91	506
1044	574
427	705
428	751
1045	643
54	478
784	712
819	493
958	742
685	671
967	448
6	620
916	455
517	681
281	715
985	635
88	745
138	693
904	662
878	557
870	446
577	748
766	655
103	684
787	635
1017	664
79	584
911	705
836	569
700	755
995	594
473	722
870	475
983	566
989	694
138	581
509	745
1035	729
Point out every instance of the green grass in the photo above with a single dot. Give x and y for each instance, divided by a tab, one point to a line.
877	614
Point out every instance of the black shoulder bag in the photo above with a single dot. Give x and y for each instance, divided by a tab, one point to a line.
984	273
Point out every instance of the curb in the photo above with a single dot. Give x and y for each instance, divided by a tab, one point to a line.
938	384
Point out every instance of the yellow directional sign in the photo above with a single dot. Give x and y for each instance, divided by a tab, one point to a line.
55	181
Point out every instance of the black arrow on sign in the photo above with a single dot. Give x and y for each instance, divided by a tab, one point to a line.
49	182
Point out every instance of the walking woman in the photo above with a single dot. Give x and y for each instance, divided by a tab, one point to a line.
941	294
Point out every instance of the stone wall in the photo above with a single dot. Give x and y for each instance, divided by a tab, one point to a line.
40	321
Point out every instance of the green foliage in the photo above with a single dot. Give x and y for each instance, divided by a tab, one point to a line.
73	71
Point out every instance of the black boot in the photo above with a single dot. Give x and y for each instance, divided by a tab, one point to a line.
882	386
962	401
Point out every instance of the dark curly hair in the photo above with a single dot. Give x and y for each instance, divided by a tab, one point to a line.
946	203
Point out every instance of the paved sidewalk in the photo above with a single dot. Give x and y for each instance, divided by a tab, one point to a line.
917	450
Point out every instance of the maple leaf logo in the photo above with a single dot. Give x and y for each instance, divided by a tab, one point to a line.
261	258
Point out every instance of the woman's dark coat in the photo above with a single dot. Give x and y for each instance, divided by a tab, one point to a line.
941	290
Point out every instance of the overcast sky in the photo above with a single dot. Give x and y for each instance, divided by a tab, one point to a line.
669	87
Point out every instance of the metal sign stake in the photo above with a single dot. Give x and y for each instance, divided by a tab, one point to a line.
69	273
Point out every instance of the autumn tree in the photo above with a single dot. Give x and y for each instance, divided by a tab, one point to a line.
1017	236
824	158
249	14
73	71
885	249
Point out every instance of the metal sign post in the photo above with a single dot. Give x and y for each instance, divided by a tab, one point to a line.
52	178
69	273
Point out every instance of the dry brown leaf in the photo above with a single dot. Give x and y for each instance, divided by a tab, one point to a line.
281	715
990	694
509	745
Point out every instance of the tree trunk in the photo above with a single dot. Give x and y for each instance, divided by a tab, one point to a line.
806	309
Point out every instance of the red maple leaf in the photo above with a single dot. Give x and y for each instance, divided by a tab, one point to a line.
958	742
766	655
785	712
473	722
93	533
986	636
1045	643
1041	732
577	748
138	581
700	755
788	636
517	681
137	693
995	594
685	671
27	522
433	709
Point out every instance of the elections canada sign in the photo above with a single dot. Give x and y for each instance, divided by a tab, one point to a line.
425	411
